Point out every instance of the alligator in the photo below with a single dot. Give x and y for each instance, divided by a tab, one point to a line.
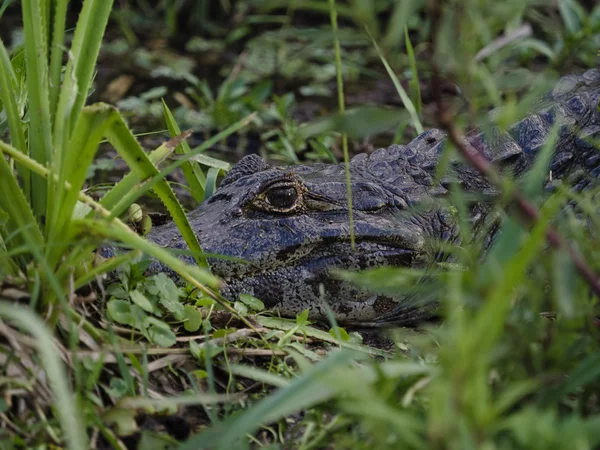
285	229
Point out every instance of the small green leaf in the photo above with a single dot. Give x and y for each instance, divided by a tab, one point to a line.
150	440
123	419
154	93
193	318
204	301
159	332
222	332
169	295
118	387
120	311
537	46
141	300
240	308
116	290
341	333
572	15
251	301
195	349
200	374
302	318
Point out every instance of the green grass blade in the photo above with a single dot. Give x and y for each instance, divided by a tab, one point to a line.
415	88
116	228
40	131
67	410
534	179
211	182
125	143
585	372
7	265
488	325
408	104
341	108
23	223
14	203
197	276
209	161
56	52
11	109
191	169
402	12
87	134
80	68
300	393
113	199
105	267
144	187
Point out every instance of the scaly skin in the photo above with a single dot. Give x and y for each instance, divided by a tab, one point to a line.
290	224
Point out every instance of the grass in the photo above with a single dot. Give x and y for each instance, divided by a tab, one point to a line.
143	362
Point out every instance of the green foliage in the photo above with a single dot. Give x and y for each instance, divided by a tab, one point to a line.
155	305
55	138
513	362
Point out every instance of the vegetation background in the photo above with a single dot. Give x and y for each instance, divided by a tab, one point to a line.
90	93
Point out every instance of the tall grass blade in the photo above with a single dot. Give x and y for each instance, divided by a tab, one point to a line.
211	182
191	169
397	23
115	198
300	393
195	154
8	81
125	143
197	276
90	128
415	88
56	52
40	130
67	410
80	68
408	104
341	108
13	202
488	325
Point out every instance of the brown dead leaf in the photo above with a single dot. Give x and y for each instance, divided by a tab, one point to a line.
118	87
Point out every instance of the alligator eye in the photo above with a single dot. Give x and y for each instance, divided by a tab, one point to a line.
282	197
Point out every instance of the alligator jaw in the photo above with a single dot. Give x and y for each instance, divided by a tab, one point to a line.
310	281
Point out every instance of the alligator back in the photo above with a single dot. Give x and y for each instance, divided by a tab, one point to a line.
572	106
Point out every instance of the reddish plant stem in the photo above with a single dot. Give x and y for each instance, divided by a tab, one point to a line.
526	210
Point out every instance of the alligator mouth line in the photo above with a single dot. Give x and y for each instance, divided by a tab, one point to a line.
327	260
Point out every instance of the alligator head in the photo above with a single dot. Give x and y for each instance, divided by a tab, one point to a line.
284	229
